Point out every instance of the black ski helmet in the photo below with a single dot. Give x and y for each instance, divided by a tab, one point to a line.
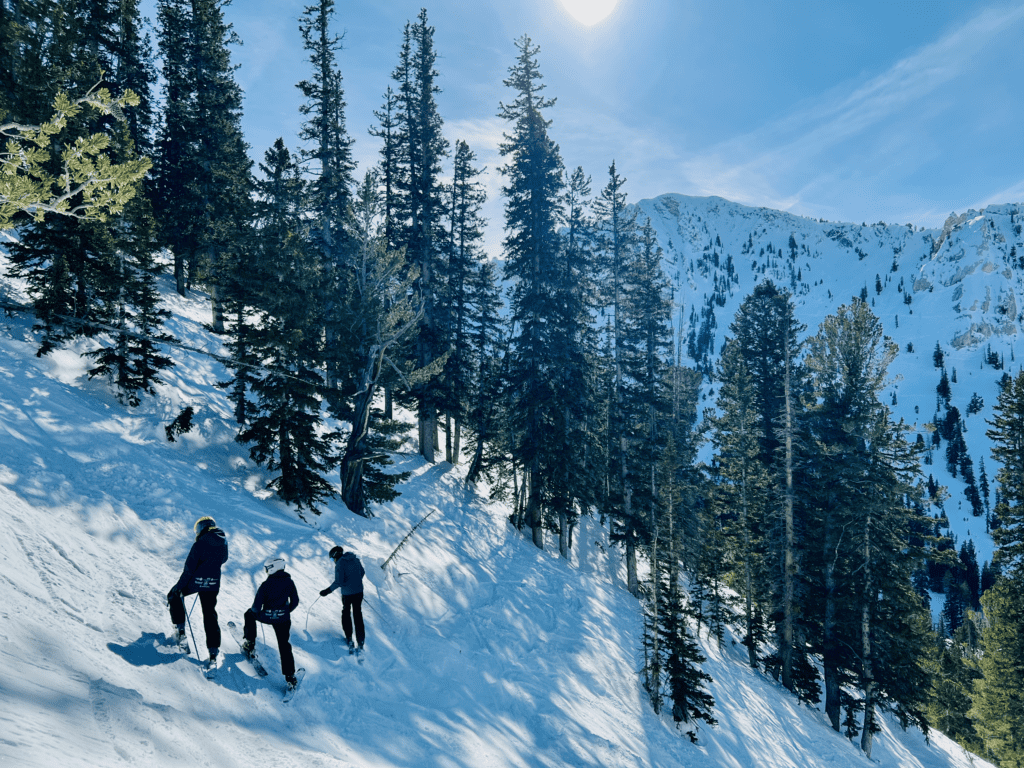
202	524
335	553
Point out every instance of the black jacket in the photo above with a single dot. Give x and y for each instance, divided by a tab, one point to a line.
202	566
275	599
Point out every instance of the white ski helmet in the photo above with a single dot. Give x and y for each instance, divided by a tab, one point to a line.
273	565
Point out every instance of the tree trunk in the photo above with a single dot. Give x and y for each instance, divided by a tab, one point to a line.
830	556
534	513
476	465
632	583
428	433
563	534
217	308
179	274
789	561
868	673
352	462
747	577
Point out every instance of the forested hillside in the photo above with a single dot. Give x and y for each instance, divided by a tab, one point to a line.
803	431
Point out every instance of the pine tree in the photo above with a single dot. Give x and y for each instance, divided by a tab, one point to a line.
420	207
203	178
765	330
532	189
617	243
572	355
1007	436
390	166
488	345
998	711
85	276
129	303
998	707
742	487
285	431
672	657
328	157
874	623
381	312
955	671
463	254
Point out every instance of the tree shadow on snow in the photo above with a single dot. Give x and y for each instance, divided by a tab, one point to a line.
150	650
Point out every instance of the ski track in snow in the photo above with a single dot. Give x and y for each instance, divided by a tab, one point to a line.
482	652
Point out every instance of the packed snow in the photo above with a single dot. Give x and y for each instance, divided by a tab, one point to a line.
482	651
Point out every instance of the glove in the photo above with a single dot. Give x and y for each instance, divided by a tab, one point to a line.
325	592
173	594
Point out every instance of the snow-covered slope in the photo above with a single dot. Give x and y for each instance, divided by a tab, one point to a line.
482	650
961	287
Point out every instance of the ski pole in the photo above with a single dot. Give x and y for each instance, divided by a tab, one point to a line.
188	620
375	613
306	628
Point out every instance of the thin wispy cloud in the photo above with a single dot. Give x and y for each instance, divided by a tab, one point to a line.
780	162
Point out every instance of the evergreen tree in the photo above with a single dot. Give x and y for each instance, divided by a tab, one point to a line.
381	312
463	255
572	356
286	429
998	711
420	208
955	670
487	340
203	179
998	707
766	333
672	657
1007	436
85	276
874	625
742	488
532	190
129	304
328	157
617	235
390	166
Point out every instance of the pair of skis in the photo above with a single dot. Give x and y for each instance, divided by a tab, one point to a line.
290	690
210	666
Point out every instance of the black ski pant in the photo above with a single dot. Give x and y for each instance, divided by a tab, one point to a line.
282	629
352	608
209	602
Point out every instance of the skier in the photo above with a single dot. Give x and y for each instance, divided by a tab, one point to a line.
348	575
275	600
201	574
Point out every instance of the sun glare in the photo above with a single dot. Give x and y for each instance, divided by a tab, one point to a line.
589	12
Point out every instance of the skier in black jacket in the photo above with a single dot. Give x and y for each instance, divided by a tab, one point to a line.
275	600
201	574
348	576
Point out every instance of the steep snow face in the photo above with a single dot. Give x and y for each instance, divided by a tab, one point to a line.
960	287
716	251
977	260
483	652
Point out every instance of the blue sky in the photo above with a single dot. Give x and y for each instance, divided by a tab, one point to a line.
899	111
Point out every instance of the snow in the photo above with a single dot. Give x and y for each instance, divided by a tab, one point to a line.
483	652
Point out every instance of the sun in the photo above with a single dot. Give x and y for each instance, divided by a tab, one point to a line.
589	12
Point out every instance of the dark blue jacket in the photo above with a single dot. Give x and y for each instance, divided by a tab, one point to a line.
275	599
202	566
348	574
